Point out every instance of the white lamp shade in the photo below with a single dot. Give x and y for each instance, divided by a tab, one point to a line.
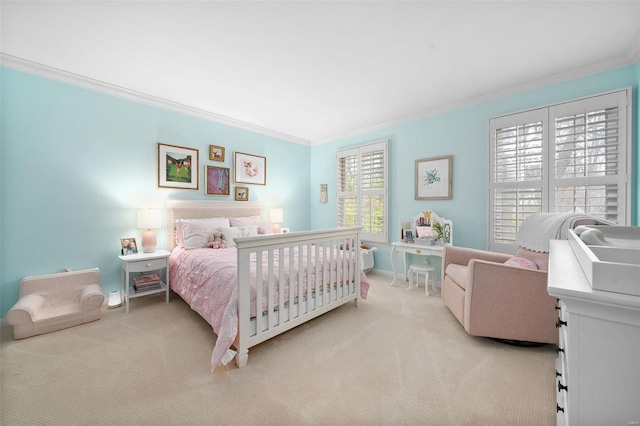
149	218
276	217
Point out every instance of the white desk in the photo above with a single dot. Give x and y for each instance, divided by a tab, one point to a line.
411	248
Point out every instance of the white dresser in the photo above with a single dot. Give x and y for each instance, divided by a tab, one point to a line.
598	363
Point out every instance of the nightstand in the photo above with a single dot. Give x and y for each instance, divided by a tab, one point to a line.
144	262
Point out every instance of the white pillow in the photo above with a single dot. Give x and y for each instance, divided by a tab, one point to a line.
228	234
264	227
195	233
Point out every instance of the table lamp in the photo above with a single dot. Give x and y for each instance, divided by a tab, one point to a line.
149	219
276	217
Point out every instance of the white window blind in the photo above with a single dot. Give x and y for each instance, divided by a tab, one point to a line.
362	190
587	162
570	157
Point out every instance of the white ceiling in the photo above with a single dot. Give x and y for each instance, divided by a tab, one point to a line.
313	71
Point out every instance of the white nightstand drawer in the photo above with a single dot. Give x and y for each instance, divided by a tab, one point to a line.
147	265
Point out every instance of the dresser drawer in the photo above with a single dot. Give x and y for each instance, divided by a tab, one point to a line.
147	265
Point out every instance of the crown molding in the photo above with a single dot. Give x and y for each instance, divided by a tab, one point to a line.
52	73
628	59
632	55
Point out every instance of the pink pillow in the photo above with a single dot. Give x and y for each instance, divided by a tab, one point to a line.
521	262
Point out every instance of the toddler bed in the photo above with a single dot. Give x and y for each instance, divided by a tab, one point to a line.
299	275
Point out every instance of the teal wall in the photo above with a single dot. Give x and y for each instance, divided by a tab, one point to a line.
77	163
462	133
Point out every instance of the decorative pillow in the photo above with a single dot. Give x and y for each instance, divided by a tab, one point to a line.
228	234
521	262
264	227
195	233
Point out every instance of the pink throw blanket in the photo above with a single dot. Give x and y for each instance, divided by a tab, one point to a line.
206	279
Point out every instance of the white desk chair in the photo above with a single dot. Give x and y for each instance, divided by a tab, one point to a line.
422	268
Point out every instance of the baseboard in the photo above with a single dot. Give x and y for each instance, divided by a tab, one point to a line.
381	272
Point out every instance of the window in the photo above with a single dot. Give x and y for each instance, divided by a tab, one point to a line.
362	190
570	157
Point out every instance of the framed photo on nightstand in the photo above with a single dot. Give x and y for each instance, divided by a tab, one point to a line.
128	246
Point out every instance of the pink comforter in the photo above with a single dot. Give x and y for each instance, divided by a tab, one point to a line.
206	279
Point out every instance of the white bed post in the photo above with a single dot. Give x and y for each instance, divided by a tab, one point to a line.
244	307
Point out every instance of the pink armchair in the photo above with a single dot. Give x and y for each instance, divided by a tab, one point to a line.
492	299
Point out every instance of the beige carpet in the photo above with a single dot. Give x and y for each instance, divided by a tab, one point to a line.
399	359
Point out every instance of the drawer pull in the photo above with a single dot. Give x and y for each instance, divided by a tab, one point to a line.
559	409
558	374
148	265
562	387
560	323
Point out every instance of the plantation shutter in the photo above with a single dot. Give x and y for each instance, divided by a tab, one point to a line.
518	174
590	157
348	184
362	190
570	157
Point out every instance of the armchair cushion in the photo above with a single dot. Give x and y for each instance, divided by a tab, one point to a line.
52	302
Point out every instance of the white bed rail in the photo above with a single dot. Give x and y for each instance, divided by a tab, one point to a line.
311	291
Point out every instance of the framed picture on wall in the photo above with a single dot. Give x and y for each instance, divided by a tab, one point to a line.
216	153
177	167
217	180
250	168
433	178
242	193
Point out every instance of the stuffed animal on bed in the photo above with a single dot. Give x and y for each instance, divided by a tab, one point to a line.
216	241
